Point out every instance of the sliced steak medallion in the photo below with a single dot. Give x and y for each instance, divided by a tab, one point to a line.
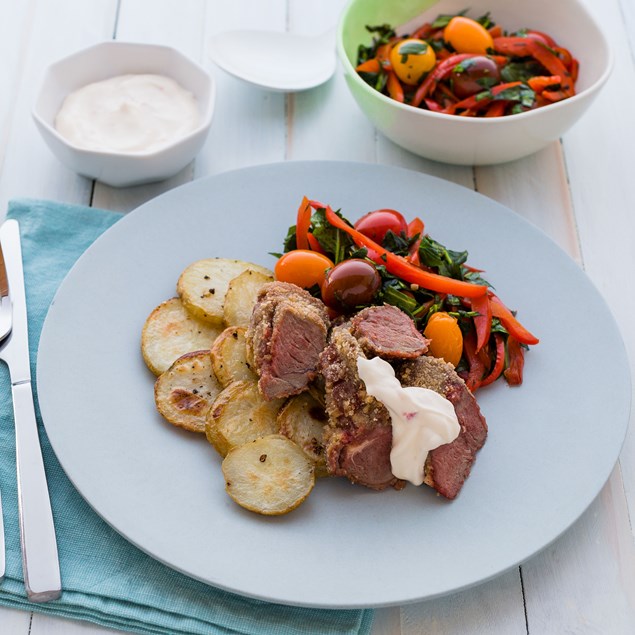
388	332
286	335
449	465
358	437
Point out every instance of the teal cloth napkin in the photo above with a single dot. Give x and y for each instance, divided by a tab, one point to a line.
106	580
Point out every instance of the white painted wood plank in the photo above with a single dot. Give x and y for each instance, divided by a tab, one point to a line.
387	621
536	188
160	22
585	582
14	622
495	607
46	625
55	30
325	123
599	152
249	124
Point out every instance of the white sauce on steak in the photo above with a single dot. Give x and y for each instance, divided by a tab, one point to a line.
422	419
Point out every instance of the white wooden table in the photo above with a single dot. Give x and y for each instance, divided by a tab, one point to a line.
579	191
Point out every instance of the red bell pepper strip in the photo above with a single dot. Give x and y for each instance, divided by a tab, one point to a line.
383	56
516	362
401	268
415	228
314	244
394	87
499	363
478	103
547	38
303	223
575	68
433	105
496	109
495	31
515	46
513	326
423	32
369	66
553	64
540	82
476	366
526	47
483	321
440	72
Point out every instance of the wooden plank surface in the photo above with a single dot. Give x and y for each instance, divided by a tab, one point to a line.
578	191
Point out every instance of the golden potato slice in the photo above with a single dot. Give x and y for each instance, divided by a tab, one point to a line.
241	296
302	420
170	331
270	476
186	391
240	415
202	286
229	357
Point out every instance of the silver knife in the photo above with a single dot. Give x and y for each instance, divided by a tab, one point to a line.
6	319
40	562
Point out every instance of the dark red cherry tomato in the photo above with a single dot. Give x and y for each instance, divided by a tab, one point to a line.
376	224
350	284
474	75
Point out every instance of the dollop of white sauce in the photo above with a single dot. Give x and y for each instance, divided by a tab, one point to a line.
422	419
128	113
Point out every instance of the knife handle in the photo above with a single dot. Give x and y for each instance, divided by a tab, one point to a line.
40	561
2	548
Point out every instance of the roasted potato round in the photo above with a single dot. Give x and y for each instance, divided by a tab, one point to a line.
240	415
270	476
170	331
241	296
229	357
184	393
202	286
302	420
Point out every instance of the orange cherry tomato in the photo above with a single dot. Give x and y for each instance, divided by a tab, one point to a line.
467	36
302	267
446	339
411	59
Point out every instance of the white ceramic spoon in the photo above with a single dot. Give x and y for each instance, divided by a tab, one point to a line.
277	61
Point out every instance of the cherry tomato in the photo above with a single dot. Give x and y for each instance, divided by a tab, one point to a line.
474	75
411	59
446	339
302	267
350	284
467	36
375	224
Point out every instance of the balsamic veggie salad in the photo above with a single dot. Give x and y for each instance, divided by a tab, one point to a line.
384	259
468	67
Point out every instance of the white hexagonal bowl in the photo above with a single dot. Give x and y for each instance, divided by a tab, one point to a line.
109	59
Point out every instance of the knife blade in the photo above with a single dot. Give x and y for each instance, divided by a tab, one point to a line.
40	562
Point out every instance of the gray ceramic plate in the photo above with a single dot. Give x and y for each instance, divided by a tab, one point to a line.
552	444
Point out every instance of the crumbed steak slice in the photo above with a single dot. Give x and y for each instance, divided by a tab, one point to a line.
387	332
286	335
449	465
358	437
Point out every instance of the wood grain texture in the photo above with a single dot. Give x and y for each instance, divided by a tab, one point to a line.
29	169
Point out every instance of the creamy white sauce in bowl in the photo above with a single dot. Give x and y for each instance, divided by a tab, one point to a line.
132	114
422	419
